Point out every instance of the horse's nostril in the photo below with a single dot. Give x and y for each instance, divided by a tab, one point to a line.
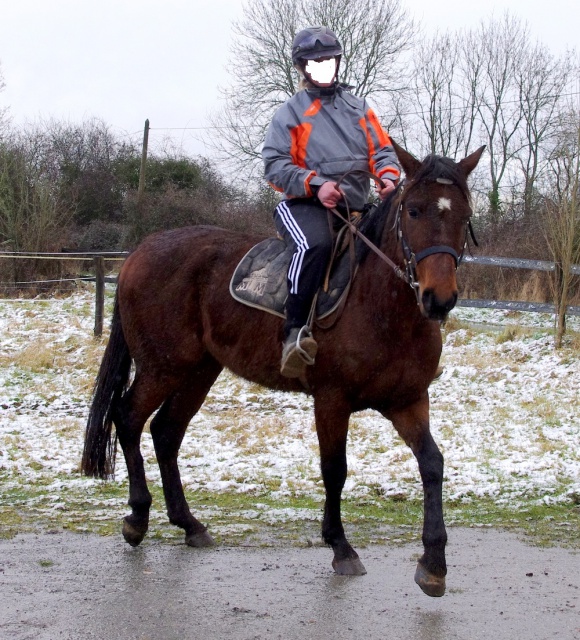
427	298
434	307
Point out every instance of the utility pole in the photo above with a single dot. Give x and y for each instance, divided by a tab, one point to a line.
141	189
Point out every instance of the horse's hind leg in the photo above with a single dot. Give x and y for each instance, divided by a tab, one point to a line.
412	425
167	429
332	416
130	415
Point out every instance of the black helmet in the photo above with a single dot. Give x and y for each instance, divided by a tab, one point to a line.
315	42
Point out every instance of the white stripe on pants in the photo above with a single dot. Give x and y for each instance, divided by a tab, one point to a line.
301	245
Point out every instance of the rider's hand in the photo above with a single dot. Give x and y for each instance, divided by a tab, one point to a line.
329	195
389	186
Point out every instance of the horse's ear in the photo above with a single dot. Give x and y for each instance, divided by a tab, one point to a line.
468	164
409	163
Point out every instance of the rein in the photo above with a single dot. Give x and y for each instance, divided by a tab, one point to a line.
353	228
398	271
411	259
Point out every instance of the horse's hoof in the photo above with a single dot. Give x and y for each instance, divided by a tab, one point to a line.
200	539
349	567
430	584
132	535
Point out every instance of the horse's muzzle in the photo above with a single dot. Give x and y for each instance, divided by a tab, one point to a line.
433	307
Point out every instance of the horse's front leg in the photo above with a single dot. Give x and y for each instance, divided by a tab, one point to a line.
412	424
332	414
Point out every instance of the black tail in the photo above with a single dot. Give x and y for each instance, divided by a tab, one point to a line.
100	446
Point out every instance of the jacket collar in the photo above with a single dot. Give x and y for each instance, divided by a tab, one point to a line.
336	89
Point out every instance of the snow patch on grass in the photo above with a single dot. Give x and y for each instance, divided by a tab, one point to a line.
504	413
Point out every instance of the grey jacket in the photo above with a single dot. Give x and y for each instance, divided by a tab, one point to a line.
318	135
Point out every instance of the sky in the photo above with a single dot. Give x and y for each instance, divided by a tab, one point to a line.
124	61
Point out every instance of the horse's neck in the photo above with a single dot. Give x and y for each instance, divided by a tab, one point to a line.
388	293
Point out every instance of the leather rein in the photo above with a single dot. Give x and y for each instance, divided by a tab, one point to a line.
411	259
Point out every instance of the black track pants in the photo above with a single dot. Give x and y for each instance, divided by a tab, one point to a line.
304	223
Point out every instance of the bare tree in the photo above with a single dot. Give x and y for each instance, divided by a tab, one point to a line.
542	80
374	34
80	161
4	121
562	214
31	217
447	112
492	85
502	44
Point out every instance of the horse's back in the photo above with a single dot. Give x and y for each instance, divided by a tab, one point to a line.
163	283
184	248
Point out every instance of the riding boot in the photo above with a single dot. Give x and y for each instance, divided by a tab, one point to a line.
298	351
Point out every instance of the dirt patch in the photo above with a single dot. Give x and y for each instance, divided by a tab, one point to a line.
85	587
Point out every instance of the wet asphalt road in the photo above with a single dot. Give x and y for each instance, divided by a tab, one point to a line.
83	587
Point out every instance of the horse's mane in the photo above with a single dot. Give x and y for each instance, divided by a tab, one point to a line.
373	224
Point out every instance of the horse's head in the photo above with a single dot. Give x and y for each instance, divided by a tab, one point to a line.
432	224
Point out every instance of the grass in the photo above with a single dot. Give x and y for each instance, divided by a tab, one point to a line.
237	519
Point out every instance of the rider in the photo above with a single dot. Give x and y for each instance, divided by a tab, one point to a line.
315	137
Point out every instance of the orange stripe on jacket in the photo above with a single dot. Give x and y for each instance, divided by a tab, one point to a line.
392	170
307	187
275	187
383	138
314	108
370	143
299	140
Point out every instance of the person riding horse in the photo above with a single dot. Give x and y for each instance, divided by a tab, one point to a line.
314	138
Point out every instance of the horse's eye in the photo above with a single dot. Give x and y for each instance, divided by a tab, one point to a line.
413	213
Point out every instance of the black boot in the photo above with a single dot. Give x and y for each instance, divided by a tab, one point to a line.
298	351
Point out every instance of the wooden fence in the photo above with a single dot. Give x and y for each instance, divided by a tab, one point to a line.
514	305
99	258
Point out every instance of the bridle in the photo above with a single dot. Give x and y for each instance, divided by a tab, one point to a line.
410	258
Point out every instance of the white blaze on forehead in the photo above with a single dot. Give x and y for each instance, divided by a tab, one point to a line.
443	204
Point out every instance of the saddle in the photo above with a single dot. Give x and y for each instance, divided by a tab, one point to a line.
260	279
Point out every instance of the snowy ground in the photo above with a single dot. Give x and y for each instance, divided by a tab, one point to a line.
505	413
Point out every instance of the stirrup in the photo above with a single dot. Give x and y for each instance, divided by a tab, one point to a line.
298	352
304	333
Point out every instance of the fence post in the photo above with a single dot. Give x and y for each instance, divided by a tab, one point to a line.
99	294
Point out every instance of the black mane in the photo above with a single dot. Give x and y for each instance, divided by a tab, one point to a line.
373	224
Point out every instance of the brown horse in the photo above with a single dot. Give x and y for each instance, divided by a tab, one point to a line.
176	322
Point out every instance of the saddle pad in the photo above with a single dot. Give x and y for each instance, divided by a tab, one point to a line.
260	279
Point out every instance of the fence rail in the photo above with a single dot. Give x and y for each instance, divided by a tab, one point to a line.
515	305
518	263
99	257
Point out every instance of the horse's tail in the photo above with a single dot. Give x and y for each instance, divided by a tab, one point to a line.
100	445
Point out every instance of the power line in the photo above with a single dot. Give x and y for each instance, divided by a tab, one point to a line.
405	113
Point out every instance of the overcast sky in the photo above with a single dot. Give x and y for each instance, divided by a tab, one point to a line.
127	60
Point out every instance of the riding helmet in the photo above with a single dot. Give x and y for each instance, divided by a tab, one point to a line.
315	42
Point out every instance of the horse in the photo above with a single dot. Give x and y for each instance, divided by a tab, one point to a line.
175	326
